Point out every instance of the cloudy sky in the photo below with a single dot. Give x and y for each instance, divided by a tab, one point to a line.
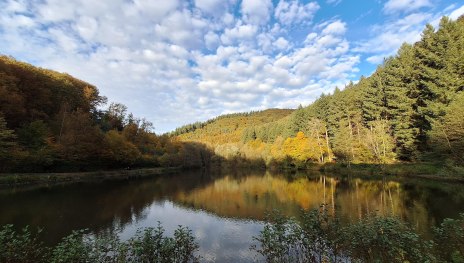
175	62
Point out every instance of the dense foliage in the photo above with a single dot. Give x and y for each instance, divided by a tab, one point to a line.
319	237
410	109
148	245
228	123
51	121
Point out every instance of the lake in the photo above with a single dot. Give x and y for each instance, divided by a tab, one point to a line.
224	210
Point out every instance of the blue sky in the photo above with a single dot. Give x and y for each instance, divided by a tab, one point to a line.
175	62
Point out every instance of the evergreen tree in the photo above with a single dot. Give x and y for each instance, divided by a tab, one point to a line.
400	99
374	105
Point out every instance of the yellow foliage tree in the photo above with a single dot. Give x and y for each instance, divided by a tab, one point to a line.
301	148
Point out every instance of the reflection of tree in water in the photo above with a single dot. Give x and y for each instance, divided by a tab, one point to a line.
59	210
107	206
252	195
112	205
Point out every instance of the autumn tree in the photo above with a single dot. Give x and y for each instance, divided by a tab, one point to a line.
80	138
302	148
317	130
379	141
121	150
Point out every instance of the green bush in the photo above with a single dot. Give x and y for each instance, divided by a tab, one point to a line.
149	245
319	237
315	239
385	239
449	239
22	246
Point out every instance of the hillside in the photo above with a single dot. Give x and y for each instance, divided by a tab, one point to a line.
51	121
228	128
411	109
29	93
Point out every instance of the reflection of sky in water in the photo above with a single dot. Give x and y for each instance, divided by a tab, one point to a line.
220	239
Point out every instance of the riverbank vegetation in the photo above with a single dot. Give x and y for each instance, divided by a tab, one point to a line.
37	179
320	237
148	245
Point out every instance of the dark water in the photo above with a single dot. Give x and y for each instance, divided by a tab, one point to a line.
224	210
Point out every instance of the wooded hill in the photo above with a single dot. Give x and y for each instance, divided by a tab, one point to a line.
411	109
228	128
51	121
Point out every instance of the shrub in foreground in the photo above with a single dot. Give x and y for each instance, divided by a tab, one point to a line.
449	239
149	245
22	246
319	237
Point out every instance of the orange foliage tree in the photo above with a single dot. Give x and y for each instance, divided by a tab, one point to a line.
301	148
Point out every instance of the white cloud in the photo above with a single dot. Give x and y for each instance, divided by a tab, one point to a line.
211	40
393	6
182	28
281	43
457	13
155	9
64	41
333	2
212	7
228	19
239	32
390	36
293	12
335	28
256	11
52	11
377	59
174	63
87	27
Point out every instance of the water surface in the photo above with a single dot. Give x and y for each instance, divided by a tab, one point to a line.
224	211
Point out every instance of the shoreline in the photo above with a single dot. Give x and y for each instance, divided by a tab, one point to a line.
365	171
400	171
29	179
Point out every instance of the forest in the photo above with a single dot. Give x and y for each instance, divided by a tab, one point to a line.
53	122
409	110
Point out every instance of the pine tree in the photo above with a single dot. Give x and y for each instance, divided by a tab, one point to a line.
374	99
400	97
439	68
